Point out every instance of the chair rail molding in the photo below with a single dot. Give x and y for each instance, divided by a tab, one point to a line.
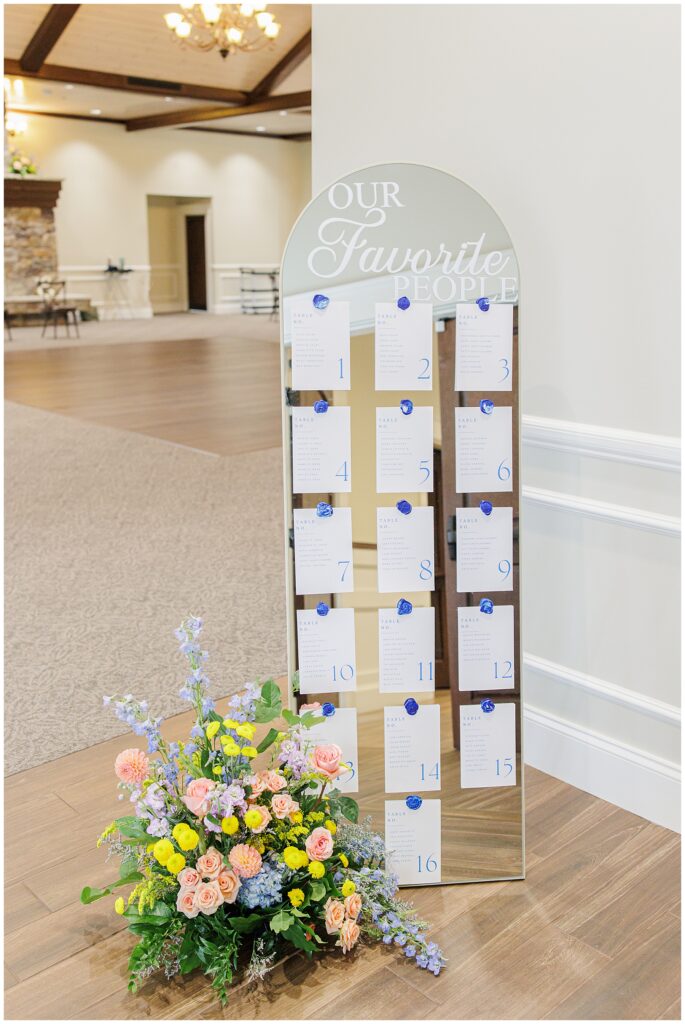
656	451
619	515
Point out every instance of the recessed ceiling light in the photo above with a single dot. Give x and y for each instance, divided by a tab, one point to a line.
283	113
260	128
68	86
168	99
96	111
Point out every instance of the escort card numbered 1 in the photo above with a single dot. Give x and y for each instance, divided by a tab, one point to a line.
400	383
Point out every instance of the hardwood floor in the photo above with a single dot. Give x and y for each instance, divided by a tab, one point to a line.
220	395
592	933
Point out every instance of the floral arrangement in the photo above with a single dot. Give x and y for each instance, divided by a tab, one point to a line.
229	866
21	165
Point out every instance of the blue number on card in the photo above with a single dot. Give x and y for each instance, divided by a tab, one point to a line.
429	672
505	367
503	471
341	364
425	370
346	565
424	468
344	673
434	773
507	670
425	569
430	864
342	472
501	765
504	568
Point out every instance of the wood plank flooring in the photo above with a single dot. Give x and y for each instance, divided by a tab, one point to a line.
592	933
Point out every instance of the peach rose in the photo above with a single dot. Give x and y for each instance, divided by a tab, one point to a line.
132	766
189	878
335	915
326	760
275	782
229	883
210	864
314	706
265	815
257	784
349	935
208	897
319	844
245	860
353	905
185	903
197	797
283	805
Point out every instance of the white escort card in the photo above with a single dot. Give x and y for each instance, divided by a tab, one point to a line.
484	347
326	651
341	728
488	746
406	651
322	461
486	648
412	842
485	549
412	749
320	346
404	450
404	346
483	450
323	552
406	558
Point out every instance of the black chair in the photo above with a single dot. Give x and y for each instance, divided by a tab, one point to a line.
55	308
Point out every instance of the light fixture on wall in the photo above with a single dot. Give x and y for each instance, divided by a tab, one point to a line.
229	28
15	124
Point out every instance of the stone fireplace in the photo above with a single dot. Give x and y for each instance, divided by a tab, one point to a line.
30	241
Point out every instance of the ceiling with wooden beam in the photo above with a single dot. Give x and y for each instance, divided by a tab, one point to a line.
121	61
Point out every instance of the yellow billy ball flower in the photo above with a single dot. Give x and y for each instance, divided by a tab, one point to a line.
189	840
253	819
316	869
292	857
119	905
230	825
162	851
249	751
348	887
246	730
296	818
343	860
331	826
178	831
296	897
304	859
176	863
212	729
230	723
150	847
229	747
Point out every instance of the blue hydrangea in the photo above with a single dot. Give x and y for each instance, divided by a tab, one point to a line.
265	889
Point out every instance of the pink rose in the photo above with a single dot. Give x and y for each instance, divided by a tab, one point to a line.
185	903
257	784
349	934
198	795
245	860
353	905
326	760
314	706
189	878
229	883
275	782
335	915
208	897
210	864
319	844
283	805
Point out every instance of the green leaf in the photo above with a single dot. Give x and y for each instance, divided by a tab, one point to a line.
350	808
317	891
246	924
269	705
90	895
281	921
289	718
128	866
189	963
298	937
309	719
156	916
133	828
267	741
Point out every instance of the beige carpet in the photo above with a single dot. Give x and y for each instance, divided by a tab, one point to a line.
171	327
111	538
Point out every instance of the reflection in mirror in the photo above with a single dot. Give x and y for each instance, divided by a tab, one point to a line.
401	440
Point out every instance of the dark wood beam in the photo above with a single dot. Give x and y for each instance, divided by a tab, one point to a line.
46	35
182	117
294	137
285	67
68	116
127	83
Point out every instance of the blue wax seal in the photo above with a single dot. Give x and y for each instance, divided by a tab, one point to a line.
487	706
322	608
320	301
404	607
406	405
411	706
483	304
403	302
486	606
404	507
486	406
328	709
413	802
321	405
324	510
486	507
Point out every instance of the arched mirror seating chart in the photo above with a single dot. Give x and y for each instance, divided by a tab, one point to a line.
400	377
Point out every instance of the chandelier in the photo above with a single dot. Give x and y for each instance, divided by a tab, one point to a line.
230	28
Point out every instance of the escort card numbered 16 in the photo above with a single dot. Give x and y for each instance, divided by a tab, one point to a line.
400	385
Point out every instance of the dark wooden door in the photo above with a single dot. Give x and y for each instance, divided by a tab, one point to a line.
196	262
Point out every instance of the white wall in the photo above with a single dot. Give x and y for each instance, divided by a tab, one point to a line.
256	186
564	118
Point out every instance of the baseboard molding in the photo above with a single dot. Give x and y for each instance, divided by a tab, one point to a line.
226	306
620	515
641	783
657	451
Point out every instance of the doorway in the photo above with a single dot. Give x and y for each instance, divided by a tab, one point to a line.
196	262
179	241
